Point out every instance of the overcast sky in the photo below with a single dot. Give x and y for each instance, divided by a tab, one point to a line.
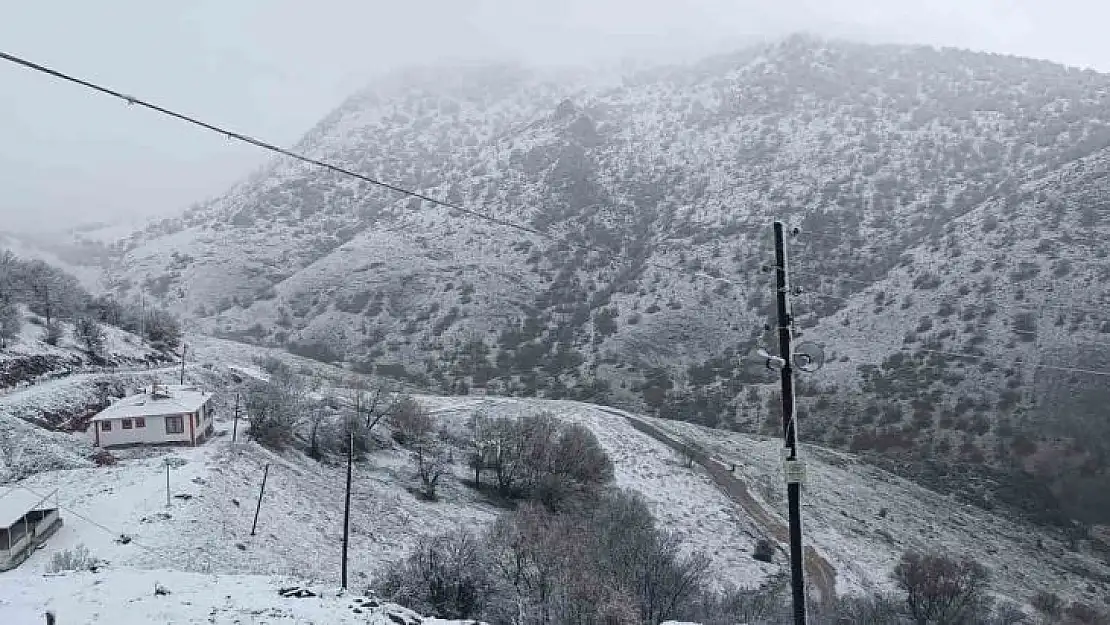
272	68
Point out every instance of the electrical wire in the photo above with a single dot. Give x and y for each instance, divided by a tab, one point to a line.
136	101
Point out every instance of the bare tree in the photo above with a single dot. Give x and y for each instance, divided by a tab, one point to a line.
91	335
410	421
276	408
940	590
10	321
162	329
53	332
432	461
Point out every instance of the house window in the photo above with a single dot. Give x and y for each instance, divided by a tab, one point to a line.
140	422
126	424
175	425
105	426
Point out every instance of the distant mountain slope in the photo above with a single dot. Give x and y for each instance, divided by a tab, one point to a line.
646	189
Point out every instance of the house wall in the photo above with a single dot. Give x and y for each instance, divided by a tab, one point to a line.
155	430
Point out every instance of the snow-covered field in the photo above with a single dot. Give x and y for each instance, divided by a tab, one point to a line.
200	546
127	597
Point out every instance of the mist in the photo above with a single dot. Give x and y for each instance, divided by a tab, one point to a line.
272	68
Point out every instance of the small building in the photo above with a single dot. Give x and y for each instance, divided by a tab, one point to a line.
160	415
26	521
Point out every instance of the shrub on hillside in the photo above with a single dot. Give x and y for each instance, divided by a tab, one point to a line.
88	331
940	589
10	322
447	576
539	457
410	421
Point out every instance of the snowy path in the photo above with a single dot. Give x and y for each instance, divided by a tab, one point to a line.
819	571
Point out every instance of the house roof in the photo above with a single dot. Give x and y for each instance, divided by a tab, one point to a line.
169	400
17	502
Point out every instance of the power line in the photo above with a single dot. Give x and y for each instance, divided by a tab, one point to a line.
133	100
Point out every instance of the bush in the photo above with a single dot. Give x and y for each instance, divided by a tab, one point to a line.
431	459
54	333
410	421
447	576
88	331
940	589
539	457
76	559
609	564
764	550
10	322
1048	603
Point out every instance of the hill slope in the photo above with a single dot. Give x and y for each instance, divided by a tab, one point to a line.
901	163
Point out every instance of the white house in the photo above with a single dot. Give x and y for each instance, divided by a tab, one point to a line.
26	521
163	414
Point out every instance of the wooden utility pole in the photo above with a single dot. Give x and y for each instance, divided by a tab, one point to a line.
347	506
184	347
235	423
792	464
261	491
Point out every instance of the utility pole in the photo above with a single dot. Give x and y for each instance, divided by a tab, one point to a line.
347	506
792	464
235	424
184	347
262	491
167	482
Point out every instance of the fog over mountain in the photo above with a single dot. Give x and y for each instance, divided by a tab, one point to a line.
272	69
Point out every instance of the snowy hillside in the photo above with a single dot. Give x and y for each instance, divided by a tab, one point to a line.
914	173
859	519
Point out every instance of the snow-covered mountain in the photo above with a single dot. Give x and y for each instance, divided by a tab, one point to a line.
914	173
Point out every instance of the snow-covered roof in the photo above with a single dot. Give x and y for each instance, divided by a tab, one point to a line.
17	502
169	400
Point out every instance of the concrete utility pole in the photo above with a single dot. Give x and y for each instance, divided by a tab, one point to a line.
261	491
184	347
235	424
792	463
347	506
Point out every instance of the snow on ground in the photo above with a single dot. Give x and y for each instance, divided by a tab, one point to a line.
684	500
863	518
127	597
208	528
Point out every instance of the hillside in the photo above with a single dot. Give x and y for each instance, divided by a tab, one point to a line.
858	518
914	173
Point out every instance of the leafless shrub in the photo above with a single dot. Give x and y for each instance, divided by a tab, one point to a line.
410	421
88	331
940	589
76	559
1048	604
447	576
538	456
431	459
